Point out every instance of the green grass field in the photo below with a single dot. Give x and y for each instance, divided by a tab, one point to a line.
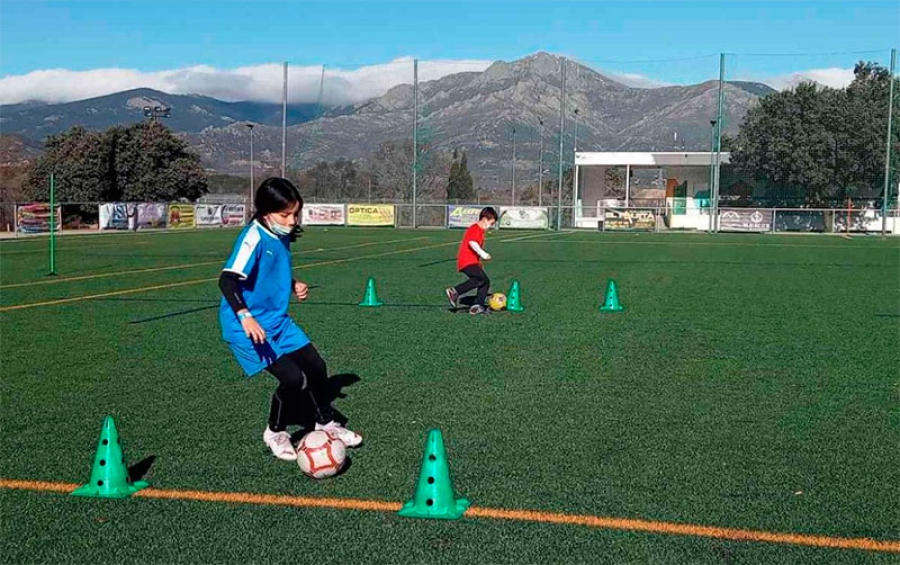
751	383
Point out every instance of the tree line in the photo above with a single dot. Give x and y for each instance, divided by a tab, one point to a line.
814	145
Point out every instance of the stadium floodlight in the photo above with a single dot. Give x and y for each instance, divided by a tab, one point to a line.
157	112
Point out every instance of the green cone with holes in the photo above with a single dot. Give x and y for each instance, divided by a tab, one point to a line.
109	475
434	496
514	299
612	303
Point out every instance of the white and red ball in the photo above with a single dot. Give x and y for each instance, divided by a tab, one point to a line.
320	456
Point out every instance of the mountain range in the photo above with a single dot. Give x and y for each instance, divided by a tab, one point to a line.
473	111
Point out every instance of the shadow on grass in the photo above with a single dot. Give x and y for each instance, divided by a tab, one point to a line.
439	262
173	314
385	305
304	414
137	471
211	305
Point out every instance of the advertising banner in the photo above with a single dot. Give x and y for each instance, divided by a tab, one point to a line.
800	220
151	215
462	216
857	221
370	215
181	216
631	219
324	215
524	217
208	214
114	216
234	215
745	220
35	218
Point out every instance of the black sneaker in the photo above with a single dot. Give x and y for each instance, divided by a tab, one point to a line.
452	297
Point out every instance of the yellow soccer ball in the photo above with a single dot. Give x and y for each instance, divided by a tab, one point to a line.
497	301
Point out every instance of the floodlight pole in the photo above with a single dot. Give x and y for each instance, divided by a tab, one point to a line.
52	225
541	165
514	165
712	170
887	156
415	137
562	129
252	184
284	93
719	137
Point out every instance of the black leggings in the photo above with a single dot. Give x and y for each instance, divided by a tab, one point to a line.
302	393
477	279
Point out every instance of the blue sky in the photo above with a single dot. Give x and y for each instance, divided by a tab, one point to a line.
162	35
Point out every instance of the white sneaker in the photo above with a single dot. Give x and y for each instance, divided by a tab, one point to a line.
280	444
337	431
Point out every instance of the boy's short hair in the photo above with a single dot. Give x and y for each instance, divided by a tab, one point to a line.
489	213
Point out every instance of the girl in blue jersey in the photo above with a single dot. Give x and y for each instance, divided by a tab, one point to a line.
257	283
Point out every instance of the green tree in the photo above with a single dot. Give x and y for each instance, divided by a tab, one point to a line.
460	186
331	181
814	145
150	163
80	162
141	162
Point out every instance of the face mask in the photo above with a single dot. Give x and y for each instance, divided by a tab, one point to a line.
279	229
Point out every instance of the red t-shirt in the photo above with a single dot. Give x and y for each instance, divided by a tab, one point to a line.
466	256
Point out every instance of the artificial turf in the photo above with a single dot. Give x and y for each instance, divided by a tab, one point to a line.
752	382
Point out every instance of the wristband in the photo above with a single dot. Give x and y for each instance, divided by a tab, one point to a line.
243	315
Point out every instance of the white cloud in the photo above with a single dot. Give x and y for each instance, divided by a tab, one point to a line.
635	80
834	77
257	83
342	86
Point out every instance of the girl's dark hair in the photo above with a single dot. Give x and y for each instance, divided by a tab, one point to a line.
274	195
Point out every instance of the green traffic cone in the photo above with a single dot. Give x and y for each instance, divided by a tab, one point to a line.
371	298
612	299
514	298
434	497
109	476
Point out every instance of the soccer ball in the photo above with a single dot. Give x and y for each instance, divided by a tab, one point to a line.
320	456
497	301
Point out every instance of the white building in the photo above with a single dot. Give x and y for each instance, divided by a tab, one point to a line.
675	183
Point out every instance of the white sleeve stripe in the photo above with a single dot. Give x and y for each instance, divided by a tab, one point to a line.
248	246
477	249
235	271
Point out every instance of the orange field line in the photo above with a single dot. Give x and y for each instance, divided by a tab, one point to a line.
198	281
191	265
600	522
693	530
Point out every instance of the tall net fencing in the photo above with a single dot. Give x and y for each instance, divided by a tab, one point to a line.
508	132
778	131
819	137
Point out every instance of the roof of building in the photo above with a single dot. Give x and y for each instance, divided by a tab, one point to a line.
653	159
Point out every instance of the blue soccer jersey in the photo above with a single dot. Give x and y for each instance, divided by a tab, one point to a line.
263	261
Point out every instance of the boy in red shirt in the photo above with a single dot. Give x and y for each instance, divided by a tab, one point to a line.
468	262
